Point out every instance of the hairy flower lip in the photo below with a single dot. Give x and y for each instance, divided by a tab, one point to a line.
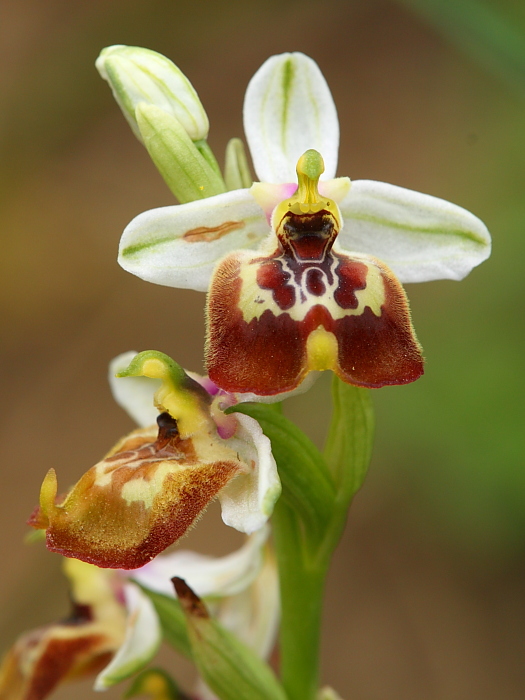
124	521
303	305
153	484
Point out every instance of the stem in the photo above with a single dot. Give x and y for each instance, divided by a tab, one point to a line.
309	518
302	587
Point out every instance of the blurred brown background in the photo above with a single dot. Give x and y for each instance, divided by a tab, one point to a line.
426	596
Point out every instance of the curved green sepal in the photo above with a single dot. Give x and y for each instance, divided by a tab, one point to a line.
180	395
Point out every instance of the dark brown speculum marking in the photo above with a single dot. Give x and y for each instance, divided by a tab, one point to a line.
307	237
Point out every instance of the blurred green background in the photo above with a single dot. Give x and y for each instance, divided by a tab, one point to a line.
426	596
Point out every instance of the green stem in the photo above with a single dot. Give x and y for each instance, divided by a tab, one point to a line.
309	518
302	586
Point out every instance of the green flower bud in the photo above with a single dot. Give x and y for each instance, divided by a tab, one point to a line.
185	170
139	75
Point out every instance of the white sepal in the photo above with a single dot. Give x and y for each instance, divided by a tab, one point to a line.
420	237
133	394
288	109
206	575
179	246
142	641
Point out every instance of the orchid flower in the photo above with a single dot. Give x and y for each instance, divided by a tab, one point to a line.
114	620
329	300
154	483
78	646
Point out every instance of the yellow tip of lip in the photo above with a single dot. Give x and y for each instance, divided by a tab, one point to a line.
321	349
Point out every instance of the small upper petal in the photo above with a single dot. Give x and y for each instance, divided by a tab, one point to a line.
420	237
178	246
289	109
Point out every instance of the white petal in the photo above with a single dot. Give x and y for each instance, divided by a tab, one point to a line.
178	246
421	238
288	109
248	500
143	638
133	394
253	614
207	576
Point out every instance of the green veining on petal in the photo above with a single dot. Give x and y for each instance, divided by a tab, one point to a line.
416	229
287	81
314	107
132	250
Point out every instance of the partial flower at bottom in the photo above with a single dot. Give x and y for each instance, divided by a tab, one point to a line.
114	631
78	646
154	483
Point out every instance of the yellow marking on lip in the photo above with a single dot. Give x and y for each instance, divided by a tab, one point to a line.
146	490
321	349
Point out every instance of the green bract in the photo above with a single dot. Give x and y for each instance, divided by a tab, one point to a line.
229	667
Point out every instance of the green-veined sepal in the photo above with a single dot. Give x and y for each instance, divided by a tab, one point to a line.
420	237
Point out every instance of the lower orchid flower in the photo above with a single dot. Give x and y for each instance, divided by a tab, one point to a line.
114	621
150	488
80	645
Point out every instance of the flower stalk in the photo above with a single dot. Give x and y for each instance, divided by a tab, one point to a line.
309	518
